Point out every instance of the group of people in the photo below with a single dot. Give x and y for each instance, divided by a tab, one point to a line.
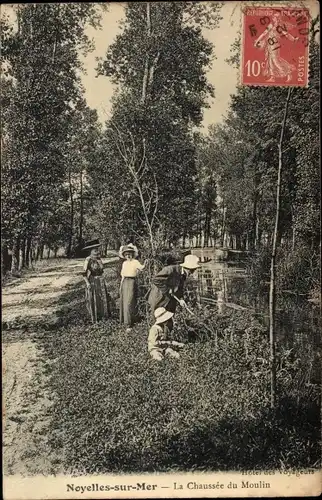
164	296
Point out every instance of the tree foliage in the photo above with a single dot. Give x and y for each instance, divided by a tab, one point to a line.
159	62
148	174
41	89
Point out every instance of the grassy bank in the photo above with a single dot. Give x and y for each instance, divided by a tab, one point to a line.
116	410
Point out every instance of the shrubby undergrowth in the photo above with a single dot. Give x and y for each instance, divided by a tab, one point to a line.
298	270
117	410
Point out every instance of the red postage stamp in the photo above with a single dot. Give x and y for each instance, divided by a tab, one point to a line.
275	46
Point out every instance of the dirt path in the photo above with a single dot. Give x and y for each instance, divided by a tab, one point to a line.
34	297
27	303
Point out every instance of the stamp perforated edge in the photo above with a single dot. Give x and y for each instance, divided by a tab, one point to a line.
305	4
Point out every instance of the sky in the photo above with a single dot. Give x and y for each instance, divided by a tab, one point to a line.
99	90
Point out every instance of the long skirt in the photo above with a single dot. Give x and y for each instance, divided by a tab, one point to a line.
98	299
128	301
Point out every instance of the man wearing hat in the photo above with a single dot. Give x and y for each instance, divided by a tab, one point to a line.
168	285
158	344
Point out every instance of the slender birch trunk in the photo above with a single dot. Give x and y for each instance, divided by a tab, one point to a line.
146	67
28	252
223	225
152	69
81	215
15	255
22	254
272	290
71	223
56	38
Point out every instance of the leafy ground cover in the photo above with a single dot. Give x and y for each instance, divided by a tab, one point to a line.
88	399
116	410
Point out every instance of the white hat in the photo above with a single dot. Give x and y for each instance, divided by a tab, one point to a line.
191	262
128	248
161	315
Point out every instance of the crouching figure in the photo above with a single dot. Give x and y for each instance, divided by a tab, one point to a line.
158	344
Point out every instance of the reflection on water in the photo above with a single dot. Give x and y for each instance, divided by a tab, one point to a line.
224	283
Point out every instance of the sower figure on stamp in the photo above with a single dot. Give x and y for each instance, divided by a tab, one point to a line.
168	285
159	345
275	65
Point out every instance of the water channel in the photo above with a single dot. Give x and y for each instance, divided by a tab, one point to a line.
223	282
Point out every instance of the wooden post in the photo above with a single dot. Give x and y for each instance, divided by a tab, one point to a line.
272	291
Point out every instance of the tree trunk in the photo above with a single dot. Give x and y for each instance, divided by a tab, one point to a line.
152	70
32	254
71	223
256	242
48	253
81	215
22	254
42	248
205	232
28	252
293	238
272	291
253	230
15	256
56	38
223	226
209	224
146	67
3	266
5	260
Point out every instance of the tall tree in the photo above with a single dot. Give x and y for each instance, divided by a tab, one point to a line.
159	62
41	86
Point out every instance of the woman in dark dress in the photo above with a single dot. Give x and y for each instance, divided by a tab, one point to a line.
96	294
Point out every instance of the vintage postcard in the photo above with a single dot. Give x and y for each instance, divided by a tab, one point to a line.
160	249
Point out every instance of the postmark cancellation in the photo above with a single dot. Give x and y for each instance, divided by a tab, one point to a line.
275	46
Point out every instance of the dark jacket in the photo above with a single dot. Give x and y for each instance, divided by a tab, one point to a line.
170	280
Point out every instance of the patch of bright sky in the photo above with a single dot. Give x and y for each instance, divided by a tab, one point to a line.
224	77
99	89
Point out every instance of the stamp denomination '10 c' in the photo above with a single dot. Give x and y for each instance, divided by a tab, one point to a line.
275	46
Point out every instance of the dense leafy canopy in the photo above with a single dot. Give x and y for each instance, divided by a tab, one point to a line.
148	174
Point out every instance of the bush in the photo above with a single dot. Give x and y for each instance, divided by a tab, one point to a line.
117	410
297	271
